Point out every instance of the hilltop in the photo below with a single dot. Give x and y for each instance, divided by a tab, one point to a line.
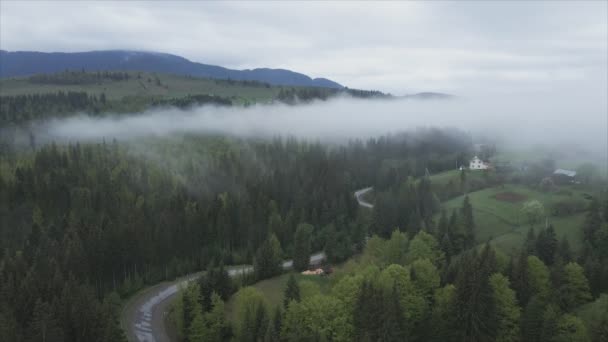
26	63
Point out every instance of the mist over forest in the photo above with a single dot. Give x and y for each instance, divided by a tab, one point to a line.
561	123
345	171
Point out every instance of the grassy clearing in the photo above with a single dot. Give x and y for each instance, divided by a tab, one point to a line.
444	178
170	86
502	221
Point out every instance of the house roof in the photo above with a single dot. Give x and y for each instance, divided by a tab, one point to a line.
568	173
483	161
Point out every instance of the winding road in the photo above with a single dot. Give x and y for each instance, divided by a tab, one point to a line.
143	317
359	194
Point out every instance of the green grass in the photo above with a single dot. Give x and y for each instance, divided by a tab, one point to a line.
475	180
503	222
171	86
443	178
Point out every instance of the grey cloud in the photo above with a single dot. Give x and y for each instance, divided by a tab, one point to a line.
463	47
516	120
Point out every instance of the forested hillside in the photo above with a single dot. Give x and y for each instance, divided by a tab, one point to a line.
443	255
407	288
104	219
62	94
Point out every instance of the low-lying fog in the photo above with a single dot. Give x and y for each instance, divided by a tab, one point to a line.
518	121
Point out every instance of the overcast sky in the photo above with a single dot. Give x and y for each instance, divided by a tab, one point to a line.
455	47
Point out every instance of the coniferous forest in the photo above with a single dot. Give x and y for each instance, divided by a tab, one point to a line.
86	225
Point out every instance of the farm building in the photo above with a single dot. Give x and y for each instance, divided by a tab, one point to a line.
478	164
564	176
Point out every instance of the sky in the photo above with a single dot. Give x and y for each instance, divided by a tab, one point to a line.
474	48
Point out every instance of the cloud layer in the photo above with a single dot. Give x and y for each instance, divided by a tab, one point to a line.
516	120
456	47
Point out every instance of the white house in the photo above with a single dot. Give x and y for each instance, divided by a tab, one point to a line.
478	164
564	176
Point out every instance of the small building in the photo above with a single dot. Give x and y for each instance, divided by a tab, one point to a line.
562	176
317	271
478	164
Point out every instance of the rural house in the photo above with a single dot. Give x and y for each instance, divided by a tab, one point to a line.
562	176
478	164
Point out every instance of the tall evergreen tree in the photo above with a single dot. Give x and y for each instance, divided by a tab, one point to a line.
476	309
529	247
292	291
532	320
44	325
267	262
546	245
563	251
302	247
508	312
469	222
393	320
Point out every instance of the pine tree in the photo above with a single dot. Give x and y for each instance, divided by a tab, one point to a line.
532	320
271	334
563	251
261	322
442	226
476	309
292	291
301	257
469	222
393	321
546	245
277	319
508	312
593	221
44	325
267	262
214	320
549	323
196	329
529	247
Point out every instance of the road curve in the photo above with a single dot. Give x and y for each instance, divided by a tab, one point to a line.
359	194
143	318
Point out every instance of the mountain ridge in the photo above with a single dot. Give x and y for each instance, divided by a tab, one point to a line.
27	63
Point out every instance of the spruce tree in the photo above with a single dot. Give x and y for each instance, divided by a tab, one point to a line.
532	320
546	245
563	251
44	325
301	257
267	262
292	291
393	321
476	309
469	222
529	247
593	221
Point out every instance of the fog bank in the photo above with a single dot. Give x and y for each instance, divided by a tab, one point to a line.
519	121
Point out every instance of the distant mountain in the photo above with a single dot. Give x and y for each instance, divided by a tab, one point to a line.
25	63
